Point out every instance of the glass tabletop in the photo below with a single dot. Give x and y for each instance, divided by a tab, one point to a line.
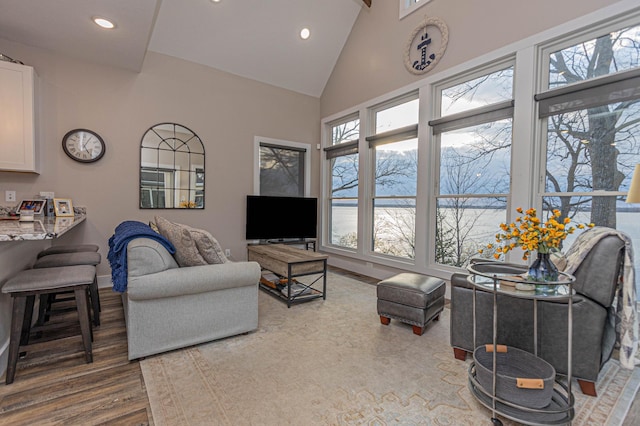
496	276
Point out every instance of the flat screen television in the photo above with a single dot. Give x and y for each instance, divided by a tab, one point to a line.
281	218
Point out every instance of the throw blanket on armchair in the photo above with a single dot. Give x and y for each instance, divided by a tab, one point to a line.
624	312
117	256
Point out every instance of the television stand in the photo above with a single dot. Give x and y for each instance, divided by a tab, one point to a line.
306	242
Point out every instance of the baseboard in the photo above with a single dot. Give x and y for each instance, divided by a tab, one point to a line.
104	281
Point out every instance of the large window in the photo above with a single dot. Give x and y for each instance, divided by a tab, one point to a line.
551	122
344	181
591	113
474	135
395	152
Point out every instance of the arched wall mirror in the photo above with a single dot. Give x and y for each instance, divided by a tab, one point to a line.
171	168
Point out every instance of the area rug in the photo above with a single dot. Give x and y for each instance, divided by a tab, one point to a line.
331	362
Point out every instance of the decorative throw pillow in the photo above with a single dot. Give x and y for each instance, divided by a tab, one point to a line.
153	226
208	246
187	253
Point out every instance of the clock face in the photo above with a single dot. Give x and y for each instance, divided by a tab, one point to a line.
83	145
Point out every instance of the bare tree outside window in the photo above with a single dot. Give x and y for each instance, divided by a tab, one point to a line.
595	148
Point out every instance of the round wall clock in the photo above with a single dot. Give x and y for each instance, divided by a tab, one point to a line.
426	45
83	145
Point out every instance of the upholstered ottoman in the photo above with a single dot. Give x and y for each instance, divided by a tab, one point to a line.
411	298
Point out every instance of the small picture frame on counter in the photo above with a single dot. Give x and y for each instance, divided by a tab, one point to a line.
33	207
63	207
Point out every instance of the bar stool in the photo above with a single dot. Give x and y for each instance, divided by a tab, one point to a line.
70	259
70	248
28	284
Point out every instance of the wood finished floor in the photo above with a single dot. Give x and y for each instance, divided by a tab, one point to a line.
59	388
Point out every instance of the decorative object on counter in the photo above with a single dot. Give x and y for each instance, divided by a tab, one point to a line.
26	216
83	145
33	206
49	209
180	185
8	211
63	207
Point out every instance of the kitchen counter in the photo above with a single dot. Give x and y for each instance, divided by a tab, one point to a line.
42	228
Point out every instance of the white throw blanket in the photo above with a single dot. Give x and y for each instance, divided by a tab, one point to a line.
624	309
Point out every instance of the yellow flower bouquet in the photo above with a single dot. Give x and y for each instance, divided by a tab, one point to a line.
530	234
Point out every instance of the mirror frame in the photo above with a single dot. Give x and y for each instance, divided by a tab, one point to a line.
171	141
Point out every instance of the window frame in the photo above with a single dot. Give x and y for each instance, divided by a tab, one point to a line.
494	112
407	7
330	151
387	137
257	140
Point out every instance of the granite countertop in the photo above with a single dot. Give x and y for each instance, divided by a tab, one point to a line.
42	228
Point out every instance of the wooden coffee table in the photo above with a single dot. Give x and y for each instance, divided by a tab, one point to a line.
290	262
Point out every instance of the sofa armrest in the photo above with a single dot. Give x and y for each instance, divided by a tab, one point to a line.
193	280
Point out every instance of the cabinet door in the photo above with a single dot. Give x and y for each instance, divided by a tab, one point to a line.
17	121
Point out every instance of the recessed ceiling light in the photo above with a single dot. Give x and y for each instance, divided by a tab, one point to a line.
305	33
215	1
104	23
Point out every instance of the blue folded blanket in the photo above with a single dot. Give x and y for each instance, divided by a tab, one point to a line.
117	256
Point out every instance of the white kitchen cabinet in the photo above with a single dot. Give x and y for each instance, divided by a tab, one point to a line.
18	138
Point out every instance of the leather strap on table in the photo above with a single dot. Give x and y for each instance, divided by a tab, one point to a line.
529	383
499	348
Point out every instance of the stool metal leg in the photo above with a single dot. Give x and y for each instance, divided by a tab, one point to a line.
17	318
83	317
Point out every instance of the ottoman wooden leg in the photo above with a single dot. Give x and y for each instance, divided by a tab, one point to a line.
385	320
460	354
418	330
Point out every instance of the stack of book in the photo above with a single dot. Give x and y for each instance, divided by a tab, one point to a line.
297	289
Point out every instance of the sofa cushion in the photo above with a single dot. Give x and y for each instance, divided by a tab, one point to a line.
187	253
208	246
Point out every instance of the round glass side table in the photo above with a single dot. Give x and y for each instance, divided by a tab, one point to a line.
494	278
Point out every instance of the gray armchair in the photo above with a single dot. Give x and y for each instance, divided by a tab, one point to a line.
593	334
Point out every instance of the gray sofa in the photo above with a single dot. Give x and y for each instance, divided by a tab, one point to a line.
593	335
168	307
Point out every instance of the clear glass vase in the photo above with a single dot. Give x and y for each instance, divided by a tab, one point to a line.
542	270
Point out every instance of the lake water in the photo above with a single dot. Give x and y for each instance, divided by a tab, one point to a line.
485	226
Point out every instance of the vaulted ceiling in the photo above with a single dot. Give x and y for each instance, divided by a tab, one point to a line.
257	39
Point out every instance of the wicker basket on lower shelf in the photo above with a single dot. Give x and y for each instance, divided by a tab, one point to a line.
521	377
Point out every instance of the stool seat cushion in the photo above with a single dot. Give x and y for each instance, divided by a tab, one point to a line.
419	291
70	248
68	259
50	278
